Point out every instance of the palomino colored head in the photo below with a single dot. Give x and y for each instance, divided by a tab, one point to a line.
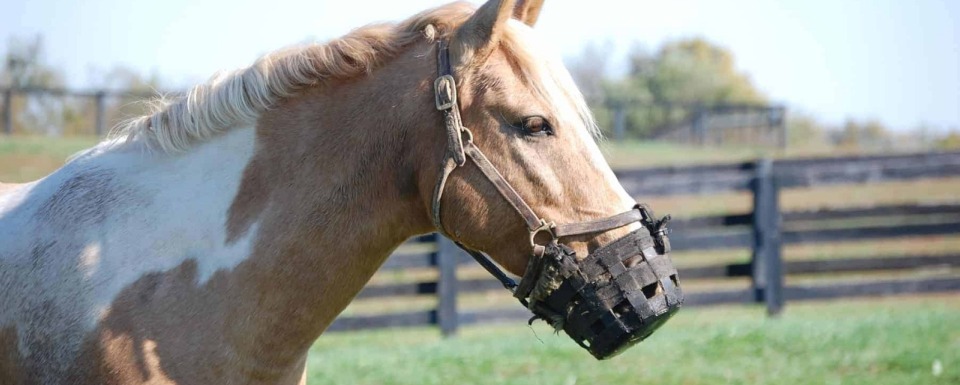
546	206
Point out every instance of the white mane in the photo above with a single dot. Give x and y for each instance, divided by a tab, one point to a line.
237	98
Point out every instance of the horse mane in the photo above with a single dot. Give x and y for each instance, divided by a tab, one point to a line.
238	97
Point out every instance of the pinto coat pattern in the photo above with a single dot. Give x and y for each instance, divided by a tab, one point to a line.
215	239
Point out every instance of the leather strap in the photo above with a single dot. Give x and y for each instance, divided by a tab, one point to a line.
506	190
600	225
445	97
449	164
491	268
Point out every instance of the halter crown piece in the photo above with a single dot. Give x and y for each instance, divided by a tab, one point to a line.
606	302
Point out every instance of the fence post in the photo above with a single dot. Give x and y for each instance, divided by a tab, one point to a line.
619	121
699	128
782	111
767	272
447	256
101	108
8	111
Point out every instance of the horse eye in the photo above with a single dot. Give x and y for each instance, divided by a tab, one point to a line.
536	125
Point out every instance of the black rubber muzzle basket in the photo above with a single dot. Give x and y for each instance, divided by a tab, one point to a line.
611	300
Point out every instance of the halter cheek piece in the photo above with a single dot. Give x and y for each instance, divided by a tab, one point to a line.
612	299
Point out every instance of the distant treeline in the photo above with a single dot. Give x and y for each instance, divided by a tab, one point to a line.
660	90
66	113
662	87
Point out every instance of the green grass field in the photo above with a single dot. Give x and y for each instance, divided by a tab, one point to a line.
886	341
26	158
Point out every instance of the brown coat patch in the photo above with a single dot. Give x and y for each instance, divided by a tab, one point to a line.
9	357
165	328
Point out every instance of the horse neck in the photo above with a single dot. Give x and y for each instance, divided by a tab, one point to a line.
333	189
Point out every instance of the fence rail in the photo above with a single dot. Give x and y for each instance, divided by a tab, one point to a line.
695	123
99	97
764	230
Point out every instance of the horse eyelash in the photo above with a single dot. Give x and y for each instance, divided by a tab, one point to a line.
507	122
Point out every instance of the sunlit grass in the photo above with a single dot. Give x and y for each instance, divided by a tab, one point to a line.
889	341
26	158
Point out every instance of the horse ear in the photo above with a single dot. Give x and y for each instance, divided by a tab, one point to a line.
479	35
527	11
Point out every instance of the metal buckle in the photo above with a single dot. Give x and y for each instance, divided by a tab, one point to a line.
445	92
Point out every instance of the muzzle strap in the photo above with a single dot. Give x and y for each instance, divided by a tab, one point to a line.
634	215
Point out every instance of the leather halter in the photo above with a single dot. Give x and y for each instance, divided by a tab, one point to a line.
460	147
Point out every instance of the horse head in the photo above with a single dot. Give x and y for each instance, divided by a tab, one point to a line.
523	180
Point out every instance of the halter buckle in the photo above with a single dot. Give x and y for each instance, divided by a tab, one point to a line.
445	92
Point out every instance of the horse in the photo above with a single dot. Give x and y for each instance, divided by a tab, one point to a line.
216	238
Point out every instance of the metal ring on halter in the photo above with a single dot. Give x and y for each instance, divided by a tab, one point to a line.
547	227
469	134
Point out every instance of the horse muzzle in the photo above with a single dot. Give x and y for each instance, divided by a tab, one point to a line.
614	298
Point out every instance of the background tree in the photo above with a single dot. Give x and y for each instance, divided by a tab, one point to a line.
863	135
664	88
695	71
137	89
805	131
25	68
949	141
589	71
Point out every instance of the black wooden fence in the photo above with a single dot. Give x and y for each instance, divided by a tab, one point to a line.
101	99
695	123
764	230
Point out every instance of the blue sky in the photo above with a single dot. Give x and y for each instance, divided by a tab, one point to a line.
897	61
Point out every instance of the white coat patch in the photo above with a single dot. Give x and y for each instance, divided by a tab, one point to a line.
71	242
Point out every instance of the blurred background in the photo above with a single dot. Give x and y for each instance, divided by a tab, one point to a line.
809	152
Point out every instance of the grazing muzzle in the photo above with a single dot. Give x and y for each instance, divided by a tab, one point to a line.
610	300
